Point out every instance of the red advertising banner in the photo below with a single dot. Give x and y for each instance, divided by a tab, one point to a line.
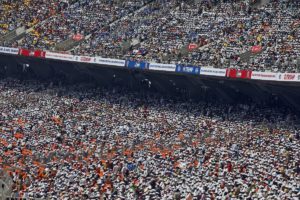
235	73
39	54
36	53
24	52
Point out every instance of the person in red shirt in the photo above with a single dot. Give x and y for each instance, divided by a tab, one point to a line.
229	166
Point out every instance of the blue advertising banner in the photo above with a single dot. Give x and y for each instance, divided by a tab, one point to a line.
188	69
137	65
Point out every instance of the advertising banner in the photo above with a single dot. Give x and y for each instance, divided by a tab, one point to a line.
137	65
288	77
85	59
59	56
188	69
8	50
236	73
162	67
109	61
39	54
268	76
25	52
212	72
33	53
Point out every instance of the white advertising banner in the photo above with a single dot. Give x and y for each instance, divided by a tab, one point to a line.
8	50
85	59
162	67
110	61
288	77
59	56
212	71
268	76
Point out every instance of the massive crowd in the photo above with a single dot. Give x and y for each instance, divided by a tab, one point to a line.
73	142
27	13
82	17
161	30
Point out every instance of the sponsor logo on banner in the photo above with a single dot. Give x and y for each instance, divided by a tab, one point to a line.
188	69
212	71
162	67
264	76
109	61
7	50
85	59
60	56
289	77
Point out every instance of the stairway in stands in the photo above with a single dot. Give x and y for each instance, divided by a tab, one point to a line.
5	184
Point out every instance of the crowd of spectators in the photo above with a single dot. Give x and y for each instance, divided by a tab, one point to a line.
82	17
73	142
282	44
27	13
223	32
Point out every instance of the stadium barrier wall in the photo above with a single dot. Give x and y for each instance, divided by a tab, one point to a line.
184	69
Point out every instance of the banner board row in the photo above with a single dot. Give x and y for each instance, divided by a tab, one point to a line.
269	76
86	59
33	53
142	65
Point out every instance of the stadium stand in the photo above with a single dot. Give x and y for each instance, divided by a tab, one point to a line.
76	126
219	34
82	17
114	144
27	13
